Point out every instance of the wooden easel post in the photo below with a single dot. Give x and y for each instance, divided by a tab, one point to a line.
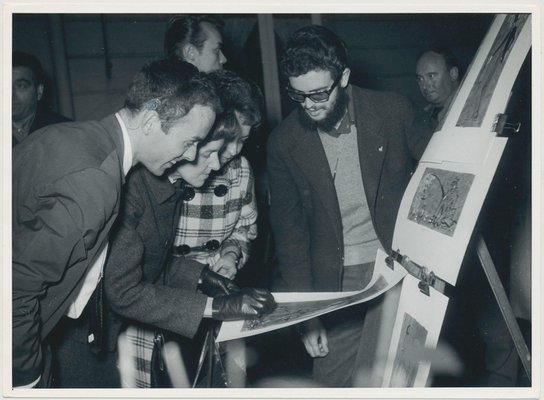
504	304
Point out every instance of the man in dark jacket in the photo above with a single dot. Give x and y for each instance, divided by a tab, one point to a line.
67	181
338	167
28	113
438	77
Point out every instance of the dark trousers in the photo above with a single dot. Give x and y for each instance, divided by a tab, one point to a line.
347	343
46	378
75	365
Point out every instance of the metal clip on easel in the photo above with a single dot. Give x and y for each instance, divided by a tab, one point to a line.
426	278
503	128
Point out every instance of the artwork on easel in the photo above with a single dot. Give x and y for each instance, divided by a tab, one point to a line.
414	336
439	199
411	343
443	199
477	102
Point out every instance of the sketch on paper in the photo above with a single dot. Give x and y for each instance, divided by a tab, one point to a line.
439	199
295	307
479	98
289	311
411	346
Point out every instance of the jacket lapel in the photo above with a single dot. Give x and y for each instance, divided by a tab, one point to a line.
310	156
372	145
164	194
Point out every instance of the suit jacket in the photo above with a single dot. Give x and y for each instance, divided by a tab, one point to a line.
134	280
67	182
305	215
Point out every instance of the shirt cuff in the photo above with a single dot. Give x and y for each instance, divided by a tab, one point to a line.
208	308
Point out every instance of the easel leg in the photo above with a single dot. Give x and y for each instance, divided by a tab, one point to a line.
504	305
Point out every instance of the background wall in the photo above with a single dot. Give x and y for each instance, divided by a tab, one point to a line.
91	58
103	51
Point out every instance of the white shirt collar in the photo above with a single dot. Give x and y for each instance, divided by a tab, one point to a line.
127	153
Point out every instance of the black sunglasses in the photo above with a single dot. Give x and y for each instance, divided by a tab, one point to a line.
316	97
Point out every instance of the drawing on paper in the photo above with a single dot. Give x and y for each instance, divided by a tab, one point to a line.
479	98
439	199
290	311
409	351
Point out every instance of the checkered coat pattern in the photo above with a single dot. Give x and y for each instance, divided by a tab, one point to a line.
229	219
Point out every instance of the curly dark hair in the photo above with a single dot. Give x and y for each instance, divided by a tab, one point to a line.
314	48
171	88
187	29
239	94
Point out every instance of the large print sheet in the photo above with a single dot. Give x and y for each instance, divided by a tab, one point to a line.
297	307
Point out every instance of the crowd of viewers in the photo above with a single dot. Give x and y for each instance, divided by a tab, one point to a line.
135	226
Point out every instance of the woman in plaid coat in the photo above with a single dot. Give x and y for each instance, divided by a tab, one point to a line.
217	215
218	222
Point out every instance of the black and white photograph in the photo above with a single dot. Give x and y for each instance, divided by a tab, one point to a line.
178	168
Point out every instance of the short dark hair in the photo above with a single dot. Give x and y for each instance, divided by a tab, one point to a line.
239	94
449	58
314	48
171	88
21	59
187	29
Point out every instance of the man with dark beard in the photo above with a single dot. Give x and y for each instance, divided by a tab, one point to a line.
338	167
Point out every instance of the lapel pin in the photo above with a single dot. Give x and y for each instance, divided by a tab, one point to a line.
380	148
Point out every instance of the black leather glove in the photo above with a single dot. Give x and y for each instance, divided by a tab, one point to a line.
213	284
243	304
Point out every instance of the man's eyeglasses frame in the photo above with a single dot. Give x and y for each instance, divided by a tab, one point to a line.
317	97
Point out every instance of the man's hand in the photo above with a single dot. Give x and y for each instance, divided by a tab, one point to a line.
213	284
243	304
314	337
226	266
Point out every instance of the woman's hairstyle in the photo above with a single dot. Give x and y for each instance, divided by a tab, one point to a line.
226	127
240	95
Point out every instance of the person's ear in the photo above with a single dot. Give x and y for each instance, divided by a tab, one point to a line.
344	80
39	91
150	119
189	52
454	74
